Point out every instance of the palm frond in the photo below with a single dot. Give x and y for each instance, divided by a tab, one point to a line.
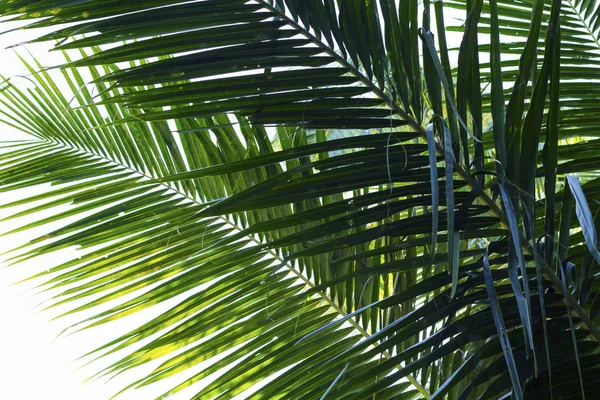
376	258
144	241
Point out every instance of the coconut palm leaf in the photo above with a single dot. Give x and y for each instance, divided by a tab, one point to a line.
386	263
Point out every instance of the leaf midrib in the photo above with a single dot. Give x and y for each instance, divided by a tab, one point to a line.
330	302
583	22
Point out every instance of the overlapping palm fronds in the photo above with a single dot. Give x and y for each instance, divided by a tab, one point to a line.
418	256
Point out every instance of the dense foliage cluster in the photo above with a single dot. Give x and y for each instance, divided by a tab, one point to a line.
334	201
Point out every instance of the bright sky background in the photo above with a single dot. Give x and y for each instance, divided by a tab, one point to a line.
33	364
31	368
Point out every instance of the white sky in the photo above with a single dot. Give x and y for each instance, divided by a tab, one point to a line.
32	364
31	368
